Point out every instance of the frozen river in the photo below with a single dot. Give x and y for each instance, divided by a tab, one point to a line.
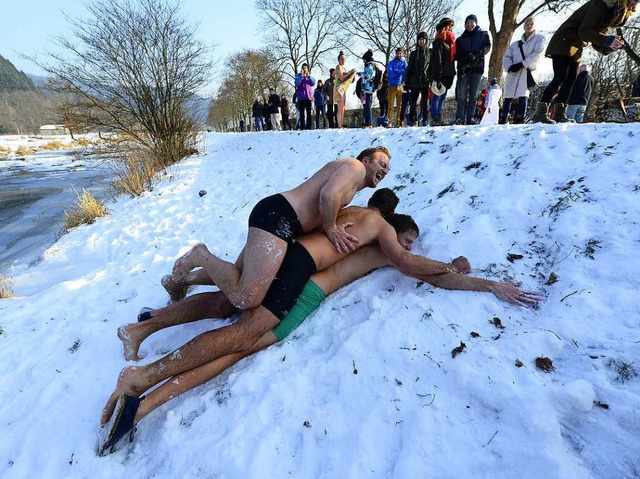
34	194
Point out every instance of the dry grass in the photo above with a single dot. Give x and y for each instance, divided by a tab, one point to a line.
84	211
6	286
24	150
55	145
134	171
81	142
5	150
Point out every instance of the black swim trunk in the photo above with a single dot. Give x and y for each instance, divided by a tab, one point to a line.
296	269
275	215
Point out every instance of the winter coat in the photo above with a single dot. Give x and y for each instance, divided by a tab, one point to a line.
256	110
471	48
274	103
515	84
319	97
491	103
303	87
284	106
328	89
382	93
589	23
396	69
442	68
635	88
417	75
582	88
367	76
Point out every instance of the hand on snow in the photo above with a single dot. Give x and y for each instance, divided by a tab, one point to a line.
511	293
462	265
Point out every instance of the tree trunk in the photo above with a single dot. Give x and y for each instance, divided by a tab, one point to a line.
501	39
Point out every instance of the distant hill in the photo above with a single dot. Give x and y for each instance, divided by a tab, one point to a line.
24	107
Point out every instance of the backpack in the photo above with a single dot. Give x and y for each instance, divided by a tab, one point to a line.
377	79
358	91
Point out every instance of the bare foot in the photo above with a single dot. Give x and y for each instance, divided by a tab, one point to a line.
130	341
177	291
185	263
126	384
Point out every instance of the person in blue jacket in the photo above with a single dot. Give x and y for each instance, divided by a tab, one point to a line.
367	76
320	100
396	69
471	48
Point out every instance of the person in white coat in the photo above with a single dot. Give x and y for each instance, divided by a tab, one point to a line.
491	103
522	55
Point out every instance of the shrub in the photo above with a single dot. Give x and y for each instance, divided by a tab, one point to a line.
4	150
84	211
134	170
24	150
55	145
6	284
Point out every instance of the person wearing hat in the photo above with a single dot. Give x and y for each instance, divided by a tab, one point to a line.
417	80
368	88
588	24
522	55
443	70
491	104
471	48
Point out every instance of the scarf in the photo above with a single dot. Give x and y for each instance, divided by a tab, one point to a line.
450	39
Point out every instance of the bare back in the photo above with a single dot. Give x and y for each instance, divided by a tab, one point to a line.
367	225
305	199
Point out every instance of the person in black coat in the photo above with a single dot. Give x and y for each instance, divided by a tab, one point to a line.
443	69
256	113
471	48
417	80
580	94
285	111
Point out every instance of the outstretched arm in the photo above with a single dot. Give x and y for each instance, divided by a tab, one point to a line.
509	292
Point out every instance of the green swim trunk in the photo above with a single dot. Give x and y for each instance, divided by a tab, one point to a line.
308	301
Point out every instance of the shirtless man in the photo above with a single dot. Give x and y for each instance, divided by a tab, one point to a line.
278	220
130	410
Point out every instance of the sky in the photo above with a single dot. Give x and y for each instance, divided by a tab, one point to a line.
367	388
29	25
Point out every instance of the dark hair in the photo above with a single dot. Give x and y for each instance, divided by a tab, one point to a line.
402	223
399	49
372	150
384	200
331	70
339	55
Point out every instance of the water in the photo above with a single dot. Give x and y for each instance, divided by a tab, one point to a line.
34	194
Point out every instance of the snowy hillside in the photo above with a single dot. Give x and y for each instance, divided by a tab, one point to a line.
367	387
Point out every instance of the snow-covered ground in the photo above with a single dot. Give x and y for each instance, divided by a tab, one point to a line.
554	206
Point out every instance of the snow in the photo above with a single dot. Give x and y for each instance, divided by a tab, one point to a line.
565	197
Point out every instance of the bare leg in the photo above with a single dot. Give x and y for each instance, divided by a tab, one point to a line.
194	308
184	382
245	288
204	348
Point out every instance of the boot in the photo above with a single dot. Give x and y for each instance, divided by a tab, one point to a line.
502	120
542	114
518	121
560	113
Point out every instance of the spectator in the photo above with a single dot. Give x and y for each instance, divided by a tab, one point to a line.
396	70
343	79
635	88
304	95
491	104
589	23
286	112
404	108
256	113
331	106
443	70
417	80
521	56
580	94
294	100
382	94
367	75
274	109
471	48
266	115
320	100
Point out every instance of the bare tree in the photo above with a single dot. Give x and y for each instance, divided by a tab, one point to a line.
250	75
131	67
299	31
501	39
384	25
